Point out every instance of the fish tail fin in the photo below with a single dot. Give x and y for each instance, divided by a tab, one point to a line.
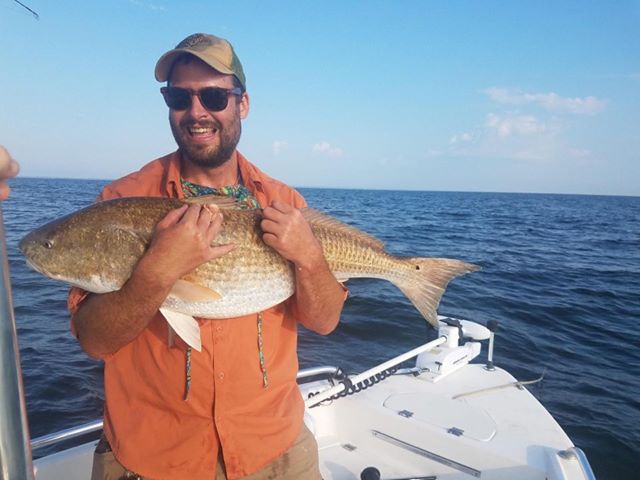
425	284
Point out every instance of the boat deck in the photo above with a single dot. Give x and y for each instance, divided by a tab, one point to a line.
411	427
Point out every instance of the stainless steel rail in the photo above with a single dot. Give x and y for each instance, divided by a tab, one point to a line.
316	371
67	434
427	454
15	451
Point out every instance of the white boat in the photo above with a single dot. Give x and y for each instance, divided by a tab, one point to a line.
442	418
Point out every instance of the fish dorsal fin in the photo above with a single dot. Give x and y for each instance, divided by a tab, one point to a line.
322	220
189	292
185	326
222	202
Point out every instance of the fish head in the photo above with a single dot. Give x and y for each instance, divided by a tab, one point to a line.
88	248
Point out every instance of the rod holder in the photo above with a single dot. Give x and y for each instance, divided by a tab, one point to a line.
492	325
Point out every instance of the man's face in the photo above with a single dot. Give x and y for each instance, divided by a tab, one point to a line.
207	139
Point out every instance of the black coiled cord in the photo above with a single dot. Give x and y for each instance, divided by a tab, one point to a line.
350	388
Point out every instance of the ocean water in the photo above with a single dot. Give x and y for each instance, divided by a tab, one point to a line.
560	273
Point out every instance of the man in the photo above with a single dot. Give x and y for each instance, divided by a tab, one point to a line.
234	408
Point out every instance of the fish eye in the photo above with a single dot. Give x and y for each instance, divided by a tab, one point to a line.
47	244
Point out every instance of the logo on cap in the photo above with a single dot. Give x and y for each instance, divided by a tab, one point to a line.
197	40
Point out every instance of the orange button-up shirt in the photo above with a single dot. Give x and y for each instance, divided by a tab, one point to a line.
152	430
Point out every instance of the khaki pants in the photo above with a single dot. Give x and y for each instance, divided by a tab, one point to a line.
299	462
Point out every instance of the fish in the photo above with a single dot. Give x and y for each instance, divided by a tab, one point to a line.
97	247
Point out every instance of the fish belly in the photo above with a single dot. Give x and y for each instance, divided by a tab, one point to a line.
239	296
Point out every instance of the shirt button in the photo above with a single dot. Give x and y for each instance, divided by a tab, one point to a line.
221	375
218	329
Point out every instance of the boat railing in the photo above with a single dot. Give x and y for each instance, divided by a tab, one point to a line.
67	434
324	372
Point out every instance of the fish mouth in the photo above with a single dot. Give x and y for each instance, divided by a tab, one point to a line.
28	252
46	273
24	243
26	246
33	266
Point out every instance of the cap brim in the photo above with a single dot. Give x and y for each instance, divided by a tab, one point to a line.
163	67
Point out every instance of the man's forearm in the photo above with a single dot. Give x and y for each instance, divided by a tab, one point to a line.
319	298
107	322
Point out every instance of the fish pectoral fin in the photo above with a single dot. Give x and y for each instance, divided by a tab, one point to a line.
190	292
185	326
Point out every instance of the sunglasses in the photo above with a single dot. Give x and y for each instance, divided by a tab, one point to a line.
214	99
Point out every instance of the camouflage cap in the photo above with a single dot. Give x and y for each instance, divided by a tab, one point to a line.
214	51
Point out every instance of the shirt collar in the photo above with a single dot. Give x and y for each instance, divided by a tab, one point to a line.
251	176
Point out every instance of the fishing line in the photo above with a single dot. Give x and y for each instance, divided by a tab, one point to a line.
35	15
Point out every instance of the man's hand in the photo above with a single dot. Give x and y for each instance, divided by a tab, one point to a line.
289	234
8	168
182	241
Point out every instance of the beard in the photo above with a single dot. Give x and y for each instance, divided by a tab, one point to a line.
208	156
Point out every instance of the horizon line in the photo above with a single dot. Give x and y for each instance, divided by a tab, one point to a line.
382	189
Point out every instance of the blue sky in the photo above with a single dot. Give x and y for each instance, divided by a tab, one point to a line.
522	96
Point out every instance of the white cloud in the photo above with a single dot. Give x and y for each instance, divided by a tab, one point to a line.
461	138
325	148
278	146
506	126
516	130
511	135
549	101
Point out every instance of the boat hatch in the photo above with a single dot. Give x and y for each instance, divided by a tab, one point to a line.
442	412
